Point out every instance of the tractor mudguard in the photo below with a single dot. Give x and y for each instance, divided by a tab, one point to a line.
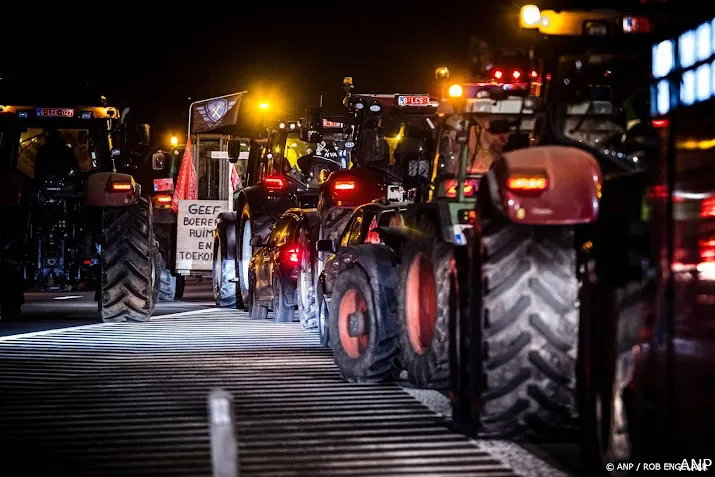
396	237
98	190
569	195
10	189
438	212
229	219
378	262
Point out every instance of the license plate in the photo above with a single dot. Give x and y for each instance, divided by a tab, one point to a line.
55	112
161	185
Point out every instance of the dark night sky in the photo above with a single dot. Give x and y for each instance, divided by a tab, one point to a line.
290	53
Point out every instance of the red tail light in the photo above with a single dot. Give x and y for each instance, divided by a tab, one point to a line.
121	186
534	74
516	74
527	183
162	201
498	74
273	183
470	188
707	208
87	262
344	185
291	255
660	123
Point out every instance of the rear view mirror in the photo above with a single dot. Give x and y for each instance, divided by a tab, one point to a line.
256	241
326	245
234	150
143	134
499	126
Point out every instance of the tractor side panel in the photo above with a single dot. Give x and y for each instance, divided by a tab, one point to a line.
572	194
98	190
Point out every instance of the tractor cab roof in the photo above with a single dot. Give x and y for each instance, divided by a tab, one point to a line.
392	104
77	112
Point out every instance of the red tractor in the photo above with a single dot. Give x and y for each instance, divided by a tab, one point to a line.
390	140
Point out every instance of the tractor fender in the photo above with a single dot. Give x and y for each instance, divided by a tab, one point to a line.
572	194
227	221
396	237
10	189
437	212
378	263
97	190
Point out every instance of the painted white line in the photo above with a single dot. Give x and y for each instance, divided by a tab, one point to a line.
97	325
185	313
53	331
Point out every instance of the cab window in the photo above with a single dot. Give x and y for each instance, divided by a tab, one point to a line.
370	221
272	154
352	230
283	231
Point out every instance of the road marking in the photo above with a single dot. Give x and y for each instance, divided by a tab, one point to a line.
33	334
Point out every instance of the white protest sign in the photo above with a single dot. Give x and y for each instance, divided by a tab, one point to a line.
194	233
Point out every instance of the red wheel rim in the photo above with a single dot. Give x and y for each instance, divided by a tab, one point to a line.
351	302
421	303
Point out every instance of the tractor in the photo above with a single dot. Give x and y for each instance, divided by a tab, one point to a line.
73	215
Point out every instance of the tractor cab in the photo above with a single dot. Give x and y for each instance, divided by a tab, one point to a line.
390	141
479	121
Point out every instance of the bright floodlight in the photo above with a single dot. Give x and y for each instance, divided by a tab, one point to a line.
455	91
530	16
174	140
264	105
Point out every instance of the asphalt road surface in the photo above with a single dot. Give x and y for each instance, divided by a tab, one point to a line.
44	312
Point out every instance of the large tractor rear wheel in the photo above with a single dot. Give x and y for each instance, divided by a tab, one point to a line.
425	310
128	263
224	269
249	227
530	331
366	353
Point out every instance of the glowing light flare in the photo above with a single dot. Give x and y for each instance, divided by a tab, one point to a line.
291	255
527	183
344	185
121	186
174	140
530	16
455	91
707	208
273	183
264	105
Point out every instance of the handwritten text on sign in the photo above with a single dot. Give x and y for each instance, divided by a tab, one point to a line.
195	231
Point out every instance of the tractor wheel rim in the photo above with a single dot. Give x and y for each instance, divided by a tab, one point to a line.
246	252
421	303
352	301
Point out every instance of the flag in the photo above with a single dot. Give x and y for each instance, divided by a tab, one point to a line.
215	113
235	180
187	182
